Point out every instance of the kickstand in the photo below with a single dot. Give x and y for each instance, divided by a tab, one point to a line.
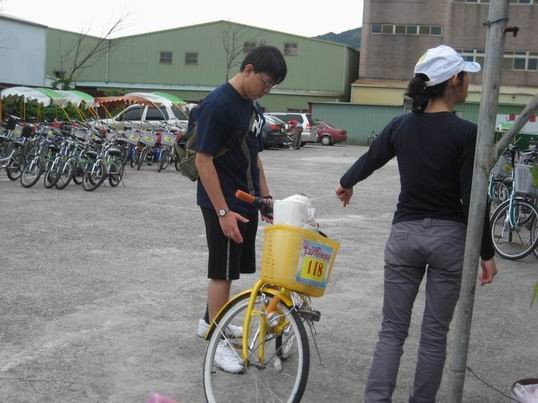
313	332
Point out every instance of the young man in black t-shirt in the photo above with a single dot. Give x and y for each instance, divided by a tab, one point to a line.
229	117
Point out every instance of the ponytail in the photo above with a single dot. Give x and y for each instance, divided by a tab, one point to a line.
420	94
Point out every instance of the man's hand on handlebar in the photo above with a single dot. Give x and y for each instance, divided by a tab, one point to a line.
266	210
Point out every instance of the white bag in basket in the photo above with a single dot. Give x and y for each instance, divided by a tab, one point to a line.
295	210
526	393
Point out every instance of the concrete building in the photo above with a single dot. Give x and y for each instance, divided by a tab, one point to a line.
395	33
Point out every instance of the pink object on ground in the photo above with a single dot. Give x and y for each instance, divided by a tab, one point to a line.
156	398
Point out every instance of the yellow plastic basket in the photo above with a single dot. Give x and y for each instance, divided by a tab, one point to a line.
297	259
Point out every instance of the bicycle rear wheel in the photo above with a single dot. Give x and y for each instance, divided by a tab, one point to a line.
14	169
516	239
94	175
31	173
116	169
67	173
280	374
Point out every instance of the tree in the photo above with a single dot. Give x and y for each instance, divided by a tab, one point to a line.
236	39
83	52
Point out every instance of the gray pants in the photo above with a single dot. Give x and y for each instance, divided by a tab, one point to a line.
414	248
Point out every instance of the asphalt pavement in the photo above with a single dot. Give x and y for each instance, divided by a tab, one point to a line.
100	292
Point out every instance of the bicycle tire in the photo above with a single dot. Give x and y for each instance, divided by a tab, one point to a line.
516	242
52	174
116	170
94	175
501	193
31	173
68	172
164	160
141	159
274	379
15	168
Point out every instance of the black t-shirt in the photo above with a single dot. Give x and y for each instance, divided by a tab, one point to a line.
221	119
435	154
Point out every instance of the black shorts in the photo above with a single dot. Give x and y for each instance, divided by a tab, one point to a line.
227	259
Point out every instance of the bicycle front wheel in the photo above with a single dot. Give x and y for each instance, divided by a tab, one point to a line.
278	361
514	231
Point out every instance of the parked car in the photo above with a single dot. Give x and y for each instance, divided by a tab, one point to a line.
273	131
304	119
328	134
147	116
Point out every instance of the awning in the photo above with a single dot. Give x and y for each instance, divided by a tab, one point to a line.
46	96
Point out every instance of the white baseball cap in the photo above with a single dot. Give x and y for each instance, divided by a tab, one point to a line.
441	63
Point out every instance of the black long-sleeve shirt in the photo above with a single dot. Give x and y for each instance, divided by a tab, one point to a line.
435	153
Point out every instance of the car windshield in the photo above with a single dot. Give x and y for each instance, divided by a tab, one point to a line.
156	114
328	125
179	113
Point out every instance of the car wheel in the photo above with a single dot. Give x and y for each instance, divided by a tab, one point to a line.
326	140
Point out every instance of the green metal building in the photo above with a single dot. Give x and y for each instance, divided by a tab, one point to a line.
361	121
191	61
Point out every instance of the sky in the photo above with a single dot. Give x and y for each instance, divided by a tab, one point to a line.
95	17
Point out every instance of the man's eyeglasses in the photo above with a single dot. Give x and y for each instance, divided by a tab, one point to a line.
268	84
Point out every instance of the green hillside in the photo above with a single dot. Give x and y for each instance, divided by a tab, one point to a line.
351	38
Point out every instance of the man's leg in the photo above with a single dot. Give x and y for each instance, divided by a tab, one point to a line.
218	293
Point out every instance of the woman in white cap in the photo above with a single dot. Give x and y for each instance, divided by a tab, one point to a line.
435	153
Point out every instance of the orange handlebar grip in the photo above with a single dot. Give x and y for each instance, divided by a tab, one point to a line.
245	197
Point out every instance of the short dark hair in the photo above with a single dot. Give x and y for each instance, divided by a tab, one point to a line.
268	60
421	95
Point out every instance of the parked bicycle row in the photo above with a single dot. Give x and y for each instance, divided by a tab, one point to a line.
513	192
86	154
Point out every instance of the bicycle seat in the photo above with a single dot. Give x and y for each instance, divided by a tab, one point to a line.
114	151
92	154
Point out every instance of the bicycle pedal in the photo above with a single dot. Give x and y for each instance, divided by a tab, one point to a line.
310	315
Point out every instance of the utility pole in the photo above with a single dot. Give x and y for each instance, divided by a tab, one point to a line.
491	82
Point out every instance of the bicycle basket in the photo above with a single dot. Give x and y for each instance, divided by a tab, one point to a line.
81	133
168	139
131	137
148	139
526	180
297	259
503	168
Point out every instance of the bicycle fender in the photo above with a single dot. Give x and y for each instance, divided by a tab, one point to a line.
244	294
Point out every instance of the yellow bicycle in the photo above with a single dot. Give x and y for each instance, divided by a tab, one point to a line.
274	348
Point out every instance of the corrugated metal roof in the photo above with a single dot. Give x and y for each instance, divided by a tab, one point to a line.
17	19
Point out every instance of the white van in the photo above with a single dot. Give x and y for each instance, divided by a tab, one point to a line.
305	120
140	116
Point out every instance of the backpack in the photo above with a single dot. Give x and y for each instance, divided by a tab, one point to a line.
187	154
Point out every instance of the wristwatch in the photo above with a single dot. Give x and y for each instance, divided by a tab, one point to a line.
222	211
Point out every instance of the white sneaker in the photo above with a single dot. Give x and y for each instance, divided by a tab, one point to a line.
227	359
232	331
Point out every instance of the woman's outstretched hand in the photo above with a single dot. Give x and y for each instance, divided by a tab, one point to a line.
344	195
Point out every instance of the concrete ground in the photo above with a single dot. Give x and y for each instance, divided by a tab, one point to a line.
100	292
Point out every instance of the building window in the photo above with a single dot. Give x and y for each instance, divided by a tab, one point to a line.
290	49
512	60
523	1
248	46
411	30
166	57
472	1
389	29
191	57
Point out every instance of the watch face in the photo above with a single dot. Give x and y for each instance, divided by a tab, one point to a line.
222	212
